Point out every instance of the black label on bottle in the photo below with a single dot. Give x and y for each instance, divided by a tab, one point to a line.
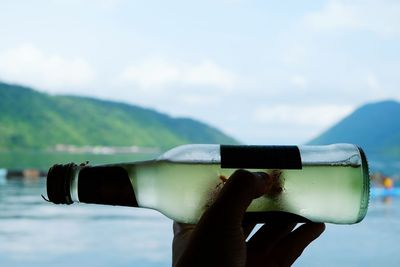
106	185
260	157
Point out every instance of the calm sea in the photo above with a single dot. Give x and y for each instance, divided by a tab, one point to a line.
36	233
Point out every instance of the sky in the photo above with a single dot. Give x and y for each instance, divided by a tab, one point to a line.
264	72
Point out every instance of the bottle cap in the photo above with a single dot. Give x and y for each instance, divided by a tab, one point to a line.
58	183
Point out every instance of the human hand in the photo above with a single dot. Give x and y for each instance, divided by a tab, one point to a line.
219	239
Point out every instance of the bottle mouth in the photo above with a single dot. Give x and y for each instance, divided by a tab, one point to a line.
58	183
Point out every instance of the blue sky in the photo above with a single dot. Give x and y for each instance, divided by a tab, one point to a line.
262	71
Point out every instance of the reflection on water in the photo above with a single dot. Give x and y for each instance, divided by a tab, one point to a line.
36	233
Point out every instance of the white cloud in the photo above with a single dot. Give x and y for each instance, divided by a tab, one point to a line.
202	100
209	73
103	4
378	16
301	115
152	73
158	74
299	81
335	15
28	65
295	123
373	82
374	87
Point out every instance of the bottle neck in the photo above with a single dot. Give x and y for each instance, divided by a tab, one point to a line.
108	185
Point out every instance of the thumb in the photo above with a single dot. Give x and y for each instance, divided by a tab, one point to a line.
235	197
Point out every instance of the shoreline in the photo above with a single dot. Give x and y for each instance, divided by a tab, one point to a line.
28	173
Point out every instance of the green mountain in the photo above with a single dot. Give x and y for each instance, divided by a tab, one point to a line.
34	120
376	128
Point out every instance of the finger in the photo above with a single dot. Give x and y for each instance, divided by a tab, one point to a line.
182	233
220	226
182	228
240	189
291	247
269	235
267	216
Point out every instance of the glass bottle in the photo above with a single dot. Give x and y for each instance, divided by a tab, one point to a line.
316	183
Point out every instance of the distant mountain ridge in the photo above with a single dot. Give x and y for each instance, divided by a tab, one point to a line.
376	128
33	120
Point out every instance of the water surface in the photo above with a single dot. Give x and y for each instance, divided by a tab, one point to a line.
36	233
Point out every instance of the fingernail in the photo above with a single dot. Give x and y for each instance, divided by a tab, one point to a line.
265	182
